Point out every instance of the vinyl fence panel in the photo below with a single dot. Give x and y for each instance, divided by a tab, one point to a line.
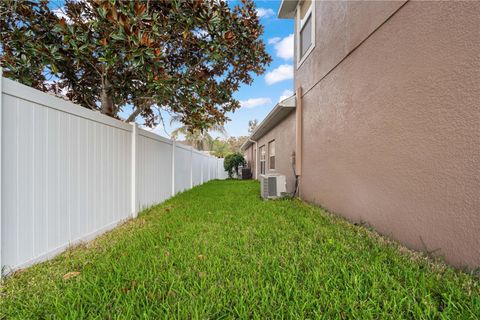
69	174
213	168
205	168
154	170
183	155
197	167
65	174
221	173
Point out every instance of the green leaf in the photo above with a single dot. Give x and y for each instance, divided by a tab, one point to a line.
102	12
118	36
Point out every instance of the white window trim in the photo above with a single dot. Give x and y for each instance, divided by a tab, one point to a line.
311	11
268	155
262	151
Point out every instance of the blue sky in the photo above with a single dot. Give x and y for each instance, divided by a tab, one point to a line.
261	96
278	35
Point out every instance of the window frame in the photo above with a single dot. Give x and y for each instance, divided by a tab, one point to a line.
270	155
300	24
262	159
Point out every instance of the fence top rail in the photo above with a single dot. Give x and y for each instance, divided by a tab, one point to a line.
200	153
184	146
24	92
195	151
153	136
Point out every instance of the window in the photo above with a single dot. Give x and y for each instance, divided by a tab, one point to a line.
262	160
271	155
305	29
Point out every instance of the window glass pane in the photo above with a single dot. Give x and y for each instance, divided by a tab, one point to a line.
271	148
306	36
262	159
271	154
272	162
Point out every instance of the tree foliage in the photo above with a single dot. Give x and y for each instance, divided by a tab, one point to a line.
137	57
223	147
232	162
199	139
219	147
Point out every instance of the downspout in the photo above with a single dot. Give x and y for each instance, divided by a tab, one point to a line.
256	156
298	138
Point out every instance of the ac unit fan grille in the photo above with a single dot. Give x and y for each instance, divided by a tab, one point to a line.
272	186
265	188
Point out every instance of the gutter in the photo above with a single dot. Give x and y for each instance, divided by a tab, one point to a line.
299	132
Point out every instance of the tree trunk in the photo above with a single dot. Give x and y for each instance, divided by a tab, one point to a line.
106	100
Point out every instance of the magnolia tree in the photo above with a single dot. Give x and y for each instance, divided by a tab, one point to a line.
136	57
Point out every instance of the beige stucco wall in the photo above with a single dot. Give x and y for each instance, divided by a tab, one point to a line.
341	26
392	132
284	136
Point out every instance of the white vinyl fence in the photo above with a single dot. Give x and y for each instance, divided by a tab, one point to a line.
69	174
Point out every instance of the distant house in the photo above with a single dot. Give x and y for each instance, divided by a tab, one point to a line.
384	126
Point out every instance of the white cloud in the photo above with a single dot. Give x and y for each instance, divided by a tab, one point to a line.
283	72
285	94
255	102
274	40
265	12
283	47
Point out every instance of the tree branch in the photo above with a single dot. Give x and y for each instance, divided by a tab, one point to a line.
134	115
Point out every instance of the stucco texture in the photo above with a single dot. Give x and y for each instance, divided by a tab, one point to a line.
392	133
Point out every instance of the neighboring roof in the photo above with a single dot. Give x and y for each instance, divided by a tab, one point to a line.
278	113
287	9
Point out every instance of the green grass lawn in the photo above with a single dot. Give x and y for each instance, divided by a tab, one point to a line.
218	251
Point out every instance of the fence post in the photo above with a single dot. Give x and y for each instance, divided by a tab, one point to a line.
1	111
191	167
173	167
209	169
201	169
134	171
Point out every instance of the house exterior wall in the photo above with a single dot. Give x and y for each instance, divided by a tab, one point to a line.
340	26
284	136
391	132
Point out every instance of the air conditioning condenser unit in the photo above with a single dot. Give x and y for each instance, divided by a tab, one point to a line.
273	186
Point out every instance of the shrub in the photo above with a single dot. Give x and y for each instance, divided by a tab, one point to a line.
232	162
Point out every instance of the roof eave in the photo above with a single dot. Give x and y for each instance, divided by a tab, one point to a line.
287	9
277	114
